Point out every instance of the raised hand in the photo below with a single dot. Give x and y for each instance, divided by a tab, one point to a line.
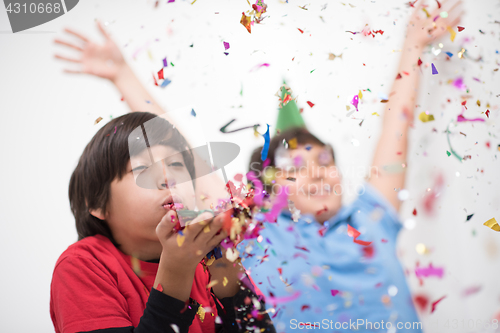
102	60
424	30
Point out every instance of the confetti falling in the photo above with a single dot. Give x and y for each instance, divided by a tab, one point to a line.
265	148
355	234
97	120
355	101
434	304
492	224
434	70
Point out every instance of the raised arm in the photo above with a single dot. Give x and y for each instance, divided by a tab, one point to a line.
389	163
106	61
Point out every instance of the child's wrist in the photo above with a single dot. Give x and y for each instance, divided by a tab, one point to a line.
123	74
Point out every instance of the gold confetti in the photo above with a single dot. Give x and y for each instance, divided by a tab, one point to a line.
206	228
347	107
461	53
375	114
478	103
97	120
210	261
225	281
201	313
360	95
180	240
424	117
293	143
452	33
492	224
426	12
332	56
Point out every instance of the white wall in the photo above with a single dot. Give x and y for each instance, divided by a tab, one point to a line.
48	118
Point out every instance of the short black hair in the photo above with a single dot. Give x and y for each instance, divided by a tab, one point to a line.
105	158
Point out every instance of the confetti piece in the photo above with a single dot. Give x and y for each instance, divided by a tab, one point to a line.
226	45
97	120
434	70
471	290
246	22
160	74
136	266
334	292
469	217
180	240
487	113
225	281
492	224
265	148
355	101
159	288
460	28
301	31
459	84
193	113
165	83
429	271
292	143
311	104
419	62
259	66
439	5
175	328
154	78
449	54
374	114
449	143
443	14
285	299
165	63
461	118
424	117
435	303
414	212
332	56
452	33
355	234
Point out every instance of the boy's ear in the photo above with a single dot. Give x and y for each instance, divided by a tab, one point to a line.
97	213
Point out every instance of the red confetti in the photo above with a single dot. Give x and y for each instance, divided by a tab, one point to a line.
238	177
122	99
311	104
488	144
160	74
159	288
334	292
154	78
304	307
303	248
399	76
412	3
419	62
415	212
383	240
301	31
435	303
463	103
280	270
406	73
439	5
322	231
487	113
460	28
378	285
368	252
421	301
355	234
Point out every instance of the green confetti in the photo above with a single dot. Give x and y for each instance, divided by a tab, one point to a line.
369	90
172	64
274	253
448	153
443	14
312	71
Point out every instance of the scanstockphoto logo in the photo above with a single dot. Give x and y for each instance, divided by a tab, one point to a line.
28	14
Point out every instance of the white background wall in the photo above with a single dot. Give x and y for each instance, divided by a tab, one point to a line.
48	118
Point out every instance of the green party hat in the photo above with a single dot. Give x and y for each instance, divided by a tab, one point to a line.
288	115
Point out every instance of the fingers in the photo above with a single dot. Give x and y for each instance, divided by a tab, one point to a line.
67	59
101	29
164	229
74	33
58	41
71	71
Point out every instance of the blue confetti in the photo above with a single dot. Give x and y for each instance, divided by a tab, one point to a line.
193	113
265	149
449	54
434	70
165	83
308	147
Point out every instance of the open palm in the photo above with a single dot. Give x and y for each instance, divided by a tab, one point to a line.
102	60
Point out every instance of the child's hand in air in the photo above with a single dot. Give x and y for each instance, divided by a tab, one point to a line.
422	31
102	60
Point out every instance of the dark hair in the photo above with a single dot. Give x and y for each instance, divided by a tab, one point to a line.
303	137
106	157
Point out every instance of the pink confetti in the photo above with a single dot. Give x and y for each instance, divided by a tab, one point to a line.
429	271
461	118
355	101
259	66
435	303
334	292
284	299
226	45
